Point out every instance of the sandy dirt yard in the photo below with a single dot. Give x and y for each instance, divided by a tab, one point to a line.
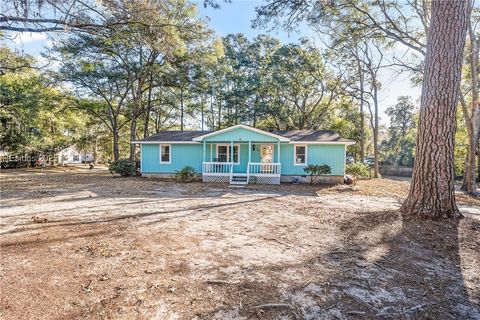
81	244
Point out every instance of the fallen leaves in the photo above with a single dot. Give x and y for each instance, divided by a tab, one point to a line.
189	246
36	219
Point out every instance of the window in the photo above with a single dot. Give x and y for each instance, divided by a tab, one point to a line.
300	156
235	154
223	153
164	153
76	158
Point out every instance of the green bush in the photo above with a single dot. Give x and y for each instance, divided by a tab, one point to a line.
122	167
358	169
187	174
316	170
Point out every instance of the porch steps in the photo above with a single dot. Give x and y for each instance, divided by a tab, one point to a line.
239	180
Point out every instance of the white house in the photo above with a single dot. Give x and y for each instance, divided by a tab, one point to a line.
71	155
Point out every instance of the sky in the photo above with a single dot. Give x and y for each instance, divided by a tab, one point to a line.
236	17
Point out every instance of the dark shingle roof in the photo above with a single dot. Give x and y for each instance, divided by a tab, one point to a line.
311	135
293	135
175	135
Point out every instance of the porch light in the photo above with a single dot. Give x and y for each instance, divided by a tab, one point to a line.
253	147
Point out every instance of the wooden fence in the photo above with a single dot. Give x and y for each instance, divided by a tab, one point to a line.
397	171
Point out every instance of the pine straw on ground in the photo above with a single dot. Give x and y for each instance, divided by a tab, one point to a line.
395	188
133	248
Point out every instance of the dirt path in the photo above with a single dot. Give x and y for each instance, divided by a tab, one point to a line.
115	248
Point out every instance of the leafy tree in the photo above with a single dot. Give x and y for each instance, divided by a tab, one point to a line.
398	148
78	16
35	115
307	91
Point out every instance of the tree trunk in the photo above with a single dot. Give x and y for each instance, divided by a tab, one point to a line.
202	101
181	109
362	118
432	191
116	150
472	120
95	151
219	106
478	162
146	123
133	136
137	107
469	184
375	129
212	111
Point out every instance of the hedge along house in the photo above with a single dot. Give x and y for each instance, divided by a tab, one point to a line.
241	154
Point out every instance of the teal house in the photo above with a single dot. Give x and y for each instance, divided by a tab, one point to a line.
241	154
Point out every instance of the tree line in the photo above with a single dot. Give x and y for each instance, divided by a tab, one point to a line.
129	69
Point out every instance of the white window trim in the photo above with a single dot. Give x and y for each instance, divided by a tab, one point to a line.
169	153
295	154
228	150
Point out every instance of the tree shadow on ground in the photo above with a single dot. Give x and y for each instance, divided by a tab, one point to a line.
386	267
98	220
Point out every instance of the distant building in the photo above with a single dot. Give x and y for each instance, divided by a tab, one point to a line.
72	155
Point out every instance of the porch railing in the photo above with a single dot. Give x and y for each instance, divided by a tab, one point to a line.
217	167
259	168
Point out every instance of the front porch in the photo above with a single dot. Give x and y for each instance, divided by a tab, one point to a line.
241	155
257	172
240	162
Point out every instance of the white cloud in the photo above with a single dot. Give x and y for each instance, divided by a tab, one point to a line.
28	37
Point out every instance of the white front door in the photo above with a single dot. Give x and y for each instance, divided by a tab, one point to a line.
266	153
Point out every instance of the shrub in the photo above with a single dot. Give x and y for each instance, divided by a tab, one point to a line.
316	170
358	169
122	167
187	174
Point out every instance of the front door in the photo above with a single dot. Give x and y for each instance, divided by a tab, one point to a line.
266	153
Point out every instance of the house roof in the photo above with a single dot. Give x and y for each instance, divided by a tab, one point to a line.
293	136
312	135
181	136
241	126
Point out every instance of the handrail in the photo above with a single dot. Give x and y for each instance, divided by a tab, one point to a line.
219	162
274	163
253	168
217	167
259	168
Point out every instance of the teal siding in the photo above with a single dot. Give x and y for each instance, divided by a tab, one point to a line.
242	167
192	155
331	154
241	134
256	153
181	155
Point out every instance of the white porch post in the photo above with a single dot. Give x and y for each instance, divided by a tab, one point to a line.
231	150
278	152
249	159
204	147
249	151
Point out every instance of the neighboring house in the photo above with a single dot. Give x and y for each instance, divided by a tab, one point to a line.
71	155
241	154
